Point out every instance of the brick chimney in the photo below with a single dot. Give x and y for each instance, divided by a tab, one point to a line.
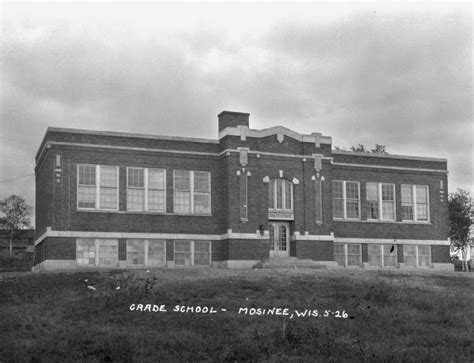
232	119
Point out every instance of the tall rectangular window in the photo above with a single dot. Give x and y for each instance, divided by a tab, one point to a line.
192	192
146	189
380	201
346	199
415	203
340	254
85	251
280	194
375	255
86	186
424	256
97	187
243	196
372	201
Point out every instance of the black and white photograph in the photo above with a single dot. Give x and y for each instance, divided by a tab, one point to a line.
236	181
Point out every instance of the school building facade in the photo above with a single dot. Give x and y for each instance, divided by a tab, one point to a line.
120	200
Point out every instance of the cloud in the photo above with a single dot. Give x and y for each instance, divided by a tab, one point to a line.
370	75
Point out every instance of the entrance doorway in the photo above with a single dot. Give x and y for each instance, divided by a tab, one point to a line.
279	239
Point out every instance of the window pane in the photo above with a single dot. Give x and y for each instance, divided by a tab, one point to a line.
352	209
135	199
407	195
375	255
136	252
352	190
156	179
354	257
409	255
156	200
86	197
338	208
421	194
388	192
182	180
352	200
338	201
182	202
85	251
202	181
87	175
372	192
271	194
339	256
388	210
108	176
156	253
202	203
424	259
421	203
279	196
108	252
108	198
182	253
287	194
390	258
136	178
202	253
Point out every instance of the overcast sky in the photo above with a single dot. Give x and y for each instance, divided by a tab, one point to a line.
398	75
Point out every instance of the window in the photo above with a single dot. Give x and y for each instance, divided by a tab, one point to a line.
97	252
192	253
381	201
346	201
348	255
417	255
97	187
382	255
415	203
141	252
243	196
192	192
146	189
280	194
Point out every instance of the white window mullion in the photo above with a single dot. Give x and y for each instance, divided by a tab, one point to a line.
344	198
146	252
382	255
97	187
191	188
96	242
345	255
192	252
145	185
379	192
415	217
416	255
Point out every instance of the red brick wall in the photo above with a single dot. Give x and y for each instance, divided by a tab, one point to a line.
315	250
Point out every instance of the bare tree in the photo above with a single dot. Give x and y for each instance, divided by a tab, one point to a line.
16	215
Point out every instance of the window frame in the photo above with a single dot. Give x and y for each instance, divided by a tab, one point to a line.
273	184
380	202
97	188
346	254
192	192
97	255
417	256
414	203
146	252
146	189
381	250
192	253
344	200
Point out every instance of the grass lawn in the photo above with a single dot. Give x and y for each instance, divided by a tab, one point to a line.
385	316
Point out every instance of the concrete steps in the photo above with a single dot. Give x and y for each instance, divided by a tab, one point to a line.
288	263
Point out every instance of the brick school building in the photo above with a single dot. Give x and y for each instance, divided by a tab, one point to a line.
121	200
